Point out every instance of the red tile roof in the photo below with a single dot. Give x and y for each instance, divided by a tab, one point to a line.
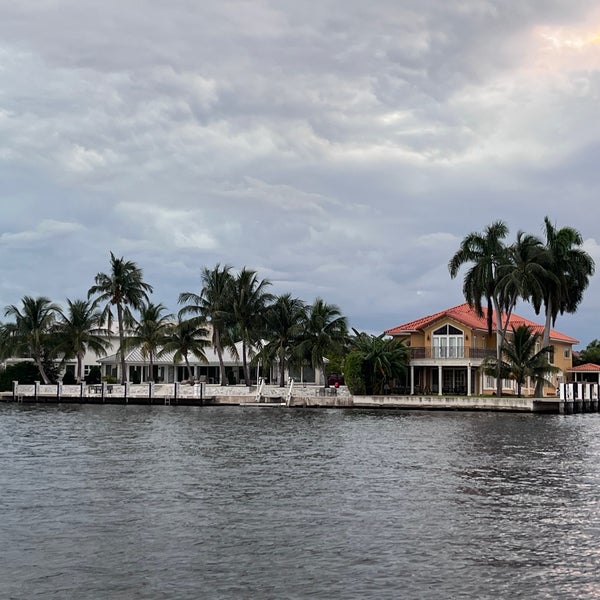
586	368
466	315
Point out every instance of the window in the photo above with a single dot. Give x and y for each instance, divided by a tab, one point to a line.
567	352
448	342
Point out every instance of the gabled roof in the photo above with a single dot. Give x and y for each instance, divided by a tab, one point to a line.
466	315
586	368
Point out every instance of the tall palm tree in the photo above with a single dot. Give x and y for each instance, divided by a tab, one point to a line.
284	321
123	288
325	332
571	269
188	337
151	333
249	302
212	304
522	359
79	329
30	334
487	253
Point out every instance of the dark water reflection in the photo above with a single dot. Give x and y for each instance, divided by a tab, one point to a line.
166	502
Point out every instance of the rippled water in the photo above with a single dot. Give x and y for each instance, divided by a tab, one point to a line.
171	502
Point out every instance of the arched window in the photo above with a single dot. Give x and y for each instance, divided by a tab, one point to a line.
448	342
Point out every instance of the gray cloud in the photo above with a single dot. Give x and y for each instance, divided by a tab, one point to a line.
343	149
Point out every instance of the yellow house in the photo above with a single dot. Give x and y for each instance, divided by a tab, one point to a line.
447	350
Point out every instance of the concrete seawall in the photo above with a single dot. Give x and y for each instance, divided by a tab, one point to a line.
271	396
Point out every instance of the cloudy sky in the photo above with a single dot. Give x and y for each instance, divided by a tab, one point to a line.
341	148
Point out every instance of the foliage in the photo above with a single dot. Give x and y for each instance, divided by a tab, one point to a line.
151	333
188	337
80	329
94	376
590	354
69	378
30	334
325	331
521	359
284	325
123	288
384	359
553	275
249	302
213	305
24	372
353	373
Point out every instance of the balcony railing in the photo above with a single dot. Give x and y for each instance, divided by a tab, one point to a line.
452	353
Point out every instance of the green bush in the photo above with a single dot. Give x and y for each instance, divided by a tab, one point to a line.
353	374
94	376
69	378
24	372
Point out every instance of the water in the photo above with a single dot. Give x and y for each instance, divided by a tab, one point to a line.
127	502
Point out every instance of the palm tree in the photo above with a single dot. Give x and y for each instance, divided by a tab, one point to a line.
124	288
571	268
188	337
212	304
30	334
80	329
249	302
521	359
487	253
151	333
325	332
284	321
382	359
524	273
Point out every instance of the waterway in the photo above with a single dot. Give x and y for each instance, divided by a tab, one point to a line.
134	502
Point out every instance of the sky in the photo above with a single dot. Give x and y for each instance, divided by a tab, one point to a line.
340	148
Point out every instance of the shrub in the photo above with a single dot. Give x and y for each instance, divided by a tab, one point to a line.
94	376
69	378
23	372
353	374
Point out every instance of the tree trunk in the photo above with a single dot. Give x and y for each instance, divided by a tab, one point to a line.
217	340
245	363
499	339
42	371
282	367
189	368
79	366
121	343
539	384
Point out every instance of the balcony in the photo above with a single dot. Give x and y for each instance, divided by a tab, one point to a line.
452	353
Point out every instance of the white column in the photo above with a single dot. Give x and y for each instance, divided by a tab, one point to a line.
412	379
439	380
469	379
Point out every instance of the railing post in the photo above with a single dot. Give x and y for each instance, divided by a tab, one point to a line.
36	390
15	390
